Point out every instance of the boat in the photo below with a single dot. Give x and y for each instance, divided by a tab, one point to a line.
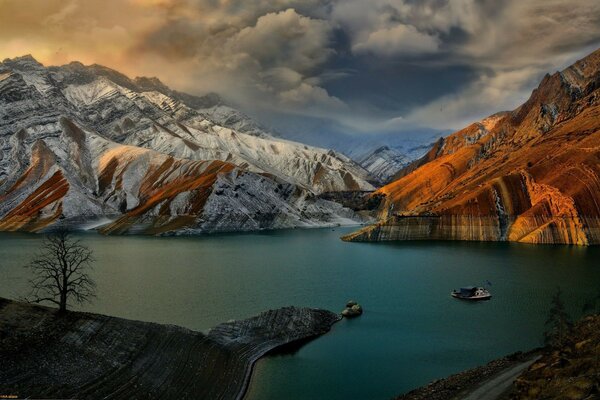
471	293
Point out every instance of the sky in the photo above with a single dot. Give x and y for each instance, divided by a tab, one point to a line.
362	66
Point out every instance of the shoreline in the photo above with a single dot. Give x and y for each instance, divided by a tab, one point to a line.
569	370
94	231
102	356
472	228
460	385
252	363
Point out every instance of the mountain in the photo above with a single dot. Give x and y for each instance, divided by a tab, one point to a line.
384	162
386	155
86	145
401	147
530	175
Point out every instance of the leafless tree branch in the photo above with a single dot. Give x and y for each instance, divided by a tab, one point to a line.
60	271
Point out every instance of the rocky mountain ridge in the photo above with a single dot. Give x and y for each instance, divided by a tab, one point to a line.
384	162
530	175
80	144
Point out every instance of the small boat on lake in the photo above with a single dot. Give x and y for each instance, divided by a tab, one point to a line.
471	293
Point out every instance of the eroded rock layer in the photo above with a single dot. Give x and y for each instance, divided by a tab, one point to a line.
531	175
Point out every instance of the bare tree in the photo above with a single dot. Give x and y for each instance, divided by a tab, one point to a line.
60	272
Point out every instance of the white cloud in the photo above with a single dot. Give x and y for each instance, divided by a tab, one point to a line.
284	39
280	55
403	28
398	40
313	97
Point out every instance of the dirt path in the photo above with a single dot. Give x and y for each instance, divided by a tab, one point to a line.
498	385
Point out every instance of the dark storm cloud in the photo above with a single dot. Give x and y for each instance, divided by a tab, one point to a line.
500	49
368	65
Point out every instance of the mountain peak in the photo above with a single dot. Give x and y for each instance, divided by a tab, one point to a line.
77	64
82	127
150	83
381	149
530	176
583	71
26	60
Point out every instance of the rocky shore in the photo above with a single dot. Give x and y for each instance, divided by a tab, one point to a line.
90	356
571	372
457	386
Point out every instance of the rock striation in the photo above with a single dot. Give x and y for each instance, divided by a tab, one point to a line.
531	175
96	357
86	145
384	162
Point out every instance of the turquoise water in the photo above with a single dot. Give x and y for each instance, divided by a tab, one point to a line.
411	333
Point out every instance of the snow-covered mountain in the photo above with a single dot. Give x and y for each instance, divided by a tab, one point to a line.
81	143
412	143
381	154
384	162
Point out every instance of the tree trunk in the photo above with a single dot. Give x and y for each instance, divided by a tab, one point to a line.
63	295
63	303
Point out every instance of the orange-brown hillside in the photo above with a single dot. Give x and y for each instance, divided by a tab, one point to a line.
531	175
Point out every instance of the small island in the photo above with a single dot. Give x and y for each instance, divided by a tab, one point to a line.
353	309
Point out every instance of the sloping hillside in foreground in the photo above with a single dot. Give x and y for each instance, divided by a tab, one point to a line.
82	355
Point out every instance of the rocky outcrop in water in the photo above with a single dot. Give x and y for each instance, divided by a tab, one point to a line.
93	356
531	175
352	310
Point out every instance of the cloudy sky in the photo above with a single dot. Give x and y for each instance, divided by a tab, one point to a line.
358	65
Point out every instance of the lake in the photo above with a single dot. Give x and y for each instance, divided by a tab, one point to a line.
412	331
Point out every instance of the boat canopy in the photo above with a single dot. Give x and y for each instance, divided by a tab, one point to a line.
468	290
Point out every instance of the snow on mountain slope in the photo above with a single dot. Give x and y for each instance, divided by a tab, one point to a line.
315	169
384	162
74	176
381	154
162	120
93	92
234	119
79	144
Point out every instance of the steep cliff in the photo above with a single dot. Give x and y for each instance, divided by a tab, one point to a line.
531	175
